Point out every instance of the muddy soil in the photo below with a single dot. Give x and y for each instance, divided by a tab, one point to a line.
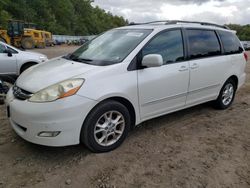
194	148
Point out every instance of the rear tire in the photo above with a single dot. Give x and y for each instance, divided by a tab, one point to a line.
226	96
28	43
106	127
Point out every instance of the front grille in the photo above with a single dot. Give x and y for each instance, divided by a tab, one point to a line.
20	93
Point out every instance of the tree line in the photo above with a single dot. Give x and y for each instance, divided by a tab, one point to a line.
72	17
242	31
69	17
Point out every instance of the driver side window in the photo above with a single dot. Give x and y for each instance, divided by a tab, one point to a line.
169	44
2	48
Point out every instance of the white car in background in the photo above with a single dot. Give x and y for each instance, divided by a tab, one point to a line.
14	61
246	45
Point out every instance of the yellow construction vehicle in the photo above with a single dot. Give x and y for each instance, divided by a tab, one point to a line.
21	37
33	38
48	38
13	34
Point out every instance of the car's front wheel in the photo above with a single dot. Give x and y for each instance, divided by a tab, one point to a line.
106	127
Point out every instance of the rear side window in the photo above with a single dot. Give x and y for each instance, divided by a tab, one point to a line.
230	42
203	43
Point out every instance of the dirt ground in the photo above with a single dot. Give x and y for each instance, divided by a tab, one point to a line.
195	148
55	51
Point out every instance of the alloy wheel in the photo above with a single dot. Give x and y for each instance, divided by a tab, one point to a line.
109	128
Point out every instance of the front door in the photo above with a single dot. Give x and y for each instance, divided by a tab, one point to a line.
164	89
8	65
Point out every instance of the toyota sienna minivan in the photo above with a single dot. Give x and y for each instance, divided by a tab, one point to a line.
123	77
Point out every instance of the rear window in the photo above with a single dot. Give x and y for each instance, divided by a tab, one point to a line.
203	43
230	42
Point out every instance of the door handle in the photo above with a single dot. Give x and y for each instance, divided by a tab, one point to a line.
194	66
183	68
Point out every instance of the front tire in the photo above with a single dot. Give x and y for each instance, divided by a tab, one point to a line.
106	127
226	96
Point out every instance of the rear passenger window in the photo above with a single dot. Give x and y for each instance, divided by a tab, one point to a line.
168	44
230	43
203	43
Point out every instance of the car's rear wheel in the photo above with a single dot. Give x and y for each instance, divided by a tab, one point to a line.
106	127
226	96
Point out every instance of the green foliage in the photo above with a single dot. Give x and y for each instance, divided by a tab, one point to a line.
4	15
69	17
242	31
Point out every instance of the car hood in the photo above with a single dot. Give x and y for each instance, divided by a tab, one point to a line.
54	71
33	53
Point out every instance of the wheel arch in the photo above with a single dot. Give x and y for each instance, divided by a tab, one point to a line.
128	105
123	101
26	64
235	79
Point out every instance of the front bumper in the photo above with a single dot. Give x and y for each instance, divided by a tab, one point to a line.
65	116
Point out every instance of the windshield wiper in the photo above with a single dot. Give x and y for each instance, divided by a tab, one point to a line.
85	59
77	59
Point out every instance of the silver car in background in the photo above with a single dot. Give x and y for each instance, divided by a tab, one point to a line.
14	61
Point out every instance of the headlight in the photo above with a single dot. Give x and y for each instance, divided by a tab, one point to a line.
58	91
43	58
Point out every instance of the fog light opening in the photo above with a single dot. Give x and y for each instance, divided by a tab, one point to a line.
49	134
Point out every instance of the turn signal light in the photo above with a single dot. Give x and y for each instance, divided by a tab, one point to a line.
49	134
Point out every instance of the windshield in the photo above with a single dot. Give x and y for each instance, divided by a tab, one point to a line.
110	48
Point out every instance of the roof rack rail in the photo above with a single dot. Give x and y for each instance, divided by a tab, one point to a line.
134	23
168	22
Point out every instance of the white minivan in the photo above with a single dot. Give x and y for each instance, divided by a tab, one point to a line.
123	77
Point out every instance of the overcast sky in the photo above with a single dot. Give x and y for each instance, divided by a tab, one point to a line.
217	11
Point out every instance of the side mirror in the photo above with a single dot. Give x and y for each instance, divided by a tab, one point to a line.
7	51
152	60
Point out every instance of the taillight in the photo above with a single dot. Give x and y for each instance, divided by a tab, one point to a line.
246	56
